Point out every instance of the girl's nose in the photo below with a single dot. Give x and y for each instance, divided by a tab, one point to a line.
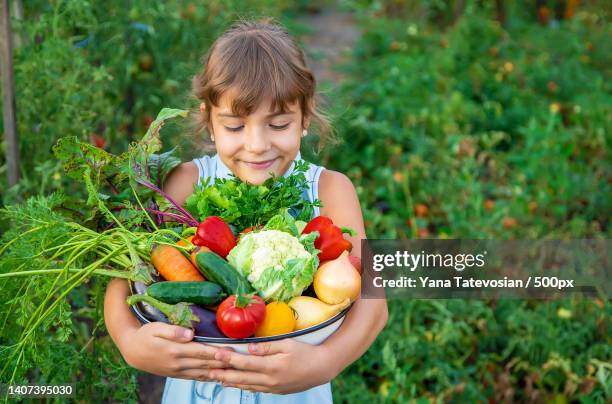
256	141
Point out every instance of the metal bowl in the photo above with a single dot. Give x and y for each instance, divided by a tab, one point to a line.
314	335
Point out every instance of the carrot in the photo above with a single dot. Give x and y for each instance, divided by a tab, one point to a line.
173	265
196	251
182	243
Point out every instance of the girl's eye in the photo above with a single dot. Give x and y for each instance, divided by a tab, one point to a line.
279	127
236	129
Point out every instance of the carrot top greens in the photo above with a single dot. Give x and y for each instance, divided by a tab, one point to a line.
55	243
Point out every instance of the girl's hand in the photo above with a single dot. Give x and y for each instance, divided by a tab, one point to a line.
166	350
279	367
157	348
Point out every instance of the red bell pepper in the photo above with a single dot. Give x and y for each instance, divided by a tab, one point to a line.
215	234
330	242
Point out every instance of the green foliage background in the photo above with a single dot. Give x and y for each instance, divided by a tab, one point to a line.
451	125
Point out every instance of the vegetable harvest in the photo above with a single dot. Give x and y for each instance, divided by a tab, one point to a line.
130	228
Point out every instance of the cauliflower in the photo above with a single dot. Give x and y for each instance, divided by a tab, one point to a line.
277	264
272	248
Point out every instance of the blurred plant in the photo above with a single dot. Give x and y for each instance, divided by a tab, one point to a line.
462	351
477	131
97	71
476	113
100	70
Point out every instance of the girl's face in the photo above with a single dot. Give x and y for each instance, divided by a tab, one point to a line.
253	146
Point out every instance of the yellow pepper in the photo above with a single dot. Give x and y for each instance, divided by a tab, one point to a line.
279	319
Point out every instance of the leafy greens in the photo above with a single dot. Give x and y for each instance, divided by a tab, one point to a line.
244	205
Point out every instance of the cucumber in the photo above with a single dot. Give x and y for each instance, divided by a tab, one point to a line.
172	292
218	270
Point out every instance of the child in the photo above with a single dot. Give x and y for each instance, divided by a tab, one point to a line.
257	102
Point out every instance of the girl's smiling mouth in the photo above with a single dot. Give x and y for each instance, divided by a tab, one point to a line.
260	165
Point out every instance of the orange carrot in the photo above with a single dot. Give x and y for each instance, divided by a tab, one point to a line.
172	264
195	252
184	243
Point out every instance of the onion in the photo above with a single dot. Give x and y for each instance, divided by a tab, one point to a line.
337	280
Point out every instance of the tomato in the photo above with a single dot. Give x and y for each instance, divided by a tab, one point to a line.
421	210
280	319
248	230
97	140
239	316
252	228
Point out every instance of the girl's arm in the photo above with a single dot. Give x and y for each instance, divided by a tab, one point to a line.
158	348
367	317
288	366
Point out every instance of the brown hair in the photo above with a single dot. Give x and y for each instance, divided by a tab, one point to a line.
261	61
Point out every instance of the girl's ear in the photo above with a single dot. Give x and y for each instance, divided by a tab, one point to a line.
306	118
209	125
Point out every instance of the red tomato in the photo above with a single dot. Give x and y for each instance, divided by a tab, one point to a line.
239	316
97	140
248	230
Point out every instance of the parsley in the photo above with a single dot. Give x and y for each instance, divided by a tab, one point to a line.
244	205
